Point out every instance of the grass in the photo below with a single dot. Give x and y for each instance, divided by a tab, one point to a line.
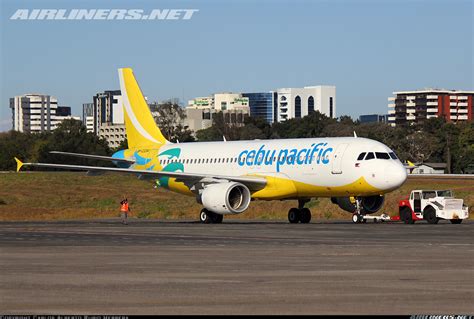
67	195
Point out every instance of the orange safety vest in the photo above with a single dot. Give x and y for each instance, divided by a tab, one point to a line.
124	207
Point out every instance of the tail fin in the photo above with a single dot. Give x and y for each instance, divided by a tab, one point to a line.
141	128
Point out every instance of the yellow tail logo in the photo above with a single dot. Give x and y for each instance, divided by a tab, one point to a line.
141	128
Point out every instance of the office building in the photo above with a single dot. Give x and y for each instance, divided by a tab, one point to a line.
263	105
108	121
201	118
373	118
409	107
64	113
107	108
299	102
113	133
88	116
220	102
34	113
200	111
275	106
202	102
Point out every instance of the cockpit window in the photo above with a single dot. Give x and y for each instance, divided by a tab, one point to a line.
392	155
361	156
382	155
370	156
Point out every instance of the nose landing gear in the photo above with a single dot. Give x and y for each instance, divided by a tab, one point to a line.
358	217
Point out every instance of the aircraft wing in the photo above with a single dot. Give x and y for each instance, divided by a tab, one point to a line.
441	176
97	157
252	182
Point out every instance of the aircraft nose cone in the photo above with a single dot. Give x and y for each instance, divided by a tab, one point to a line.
395	175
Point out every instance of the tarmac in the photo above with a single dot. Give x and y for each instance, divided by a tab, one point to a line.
238	267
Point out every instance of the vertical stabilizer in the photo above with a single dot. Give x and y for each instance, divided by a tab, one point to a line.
142	131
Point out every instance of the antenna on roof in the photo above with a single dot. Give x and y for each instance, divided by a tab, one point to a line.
223	137
355	135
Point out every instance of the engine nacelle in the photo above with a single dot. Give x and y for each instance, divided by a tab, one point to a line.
226	198
370	204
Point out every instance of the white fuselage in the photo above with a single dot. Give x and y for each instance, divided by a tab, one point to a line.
317	166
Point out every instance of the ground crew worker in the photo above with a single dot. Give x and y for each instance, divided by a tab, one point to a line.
124	209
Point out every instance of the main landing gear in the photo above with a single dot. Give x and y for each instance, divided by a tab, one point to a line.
208	217
358	217
300	214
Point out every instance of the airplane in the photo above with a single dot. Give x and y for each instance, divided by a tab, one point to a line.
226	176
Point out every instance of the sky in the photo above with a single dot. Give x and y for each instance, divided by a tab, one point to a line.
367	49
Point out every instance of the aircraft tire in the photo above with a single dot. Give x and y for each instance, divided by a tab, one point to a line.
305	215
205	216
355	218
294	215
456	221
216	218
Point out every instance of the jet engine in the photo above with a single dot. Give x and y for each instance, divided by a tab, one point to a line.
369	204
226	198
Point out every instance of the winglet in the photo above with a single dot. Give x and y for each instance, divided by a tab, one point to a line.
19	164
410	164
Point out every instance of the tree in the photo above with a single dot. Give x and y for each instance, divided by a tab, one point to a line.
465	148
421	145
15	144
170	120
219	129
71	136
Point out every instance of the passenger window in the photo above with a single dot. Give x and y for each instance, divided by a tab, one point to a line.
382	155
361	156
369	156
